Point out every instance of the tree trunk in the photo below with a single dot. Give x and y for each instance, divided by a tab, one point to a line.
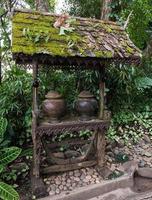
42	5
105	9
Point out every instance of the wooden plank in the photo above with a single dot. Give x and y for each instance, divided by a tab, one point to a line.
101	143
63	168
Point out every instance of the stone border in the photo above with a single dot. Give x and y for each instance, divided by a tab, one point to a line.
91	191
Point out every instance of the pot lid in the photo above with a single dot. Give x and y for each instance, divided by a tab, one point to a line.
85	94
53	95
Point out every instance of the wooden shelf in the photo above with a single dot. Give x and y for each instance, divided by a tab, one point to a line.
71	125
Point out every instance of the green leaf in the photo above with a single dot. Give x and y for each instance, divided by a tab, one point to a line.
1	168
7	192
3	126
37	38
62	31
7	155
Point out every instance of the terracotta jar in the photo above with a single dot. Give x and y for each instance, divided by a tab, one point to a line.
54	106
86	105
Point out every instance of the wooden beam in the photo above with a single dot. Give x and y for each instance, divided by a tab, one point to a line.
63	168
101	94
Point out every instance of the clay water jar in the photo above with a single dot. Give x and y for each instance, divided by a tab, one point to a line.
86	106
54	106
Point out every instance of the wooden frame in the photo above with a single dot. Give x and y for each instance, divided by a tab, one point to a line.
61	165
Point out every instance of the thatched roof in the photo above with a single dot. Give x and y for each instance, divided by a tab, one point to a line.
34	36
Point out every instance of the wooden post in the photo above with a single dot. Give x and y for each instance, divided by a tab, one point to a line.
38	187
34	122
101	135
101	94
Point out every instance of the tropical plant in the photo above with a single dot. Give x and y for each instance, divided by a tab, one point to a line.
7	155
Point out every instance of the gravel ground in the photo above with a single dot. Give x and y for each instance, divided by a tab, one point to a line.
115	153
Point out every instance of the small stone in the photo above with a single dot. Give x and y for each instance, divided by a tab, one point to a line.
65	188
147	139
88	177
63	183
82	177
48	182
141	163
121	143
110	154
57	181
68	181
116	151
147	154
61	187
51	193
57	191
71	154
76	179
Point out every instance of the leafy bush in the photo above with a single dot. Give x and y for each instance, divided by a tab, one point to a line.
7	155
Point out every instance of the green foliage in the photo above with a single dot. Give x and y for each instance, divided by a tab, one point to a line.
7	155
15	102
7	192
85	8
139	22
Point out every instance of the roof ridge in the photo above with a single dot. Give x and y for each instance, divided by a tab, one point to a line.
76	17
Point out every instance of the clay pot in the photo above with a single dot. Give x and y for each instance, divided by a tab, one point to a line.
54	106
86	105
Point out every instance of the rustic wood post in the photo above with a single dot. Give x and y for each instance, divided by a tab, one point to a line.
38	187
34	121
101	135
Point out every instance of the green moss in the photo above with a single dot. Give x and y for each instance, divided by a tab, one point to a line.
104	54
129	50
73	43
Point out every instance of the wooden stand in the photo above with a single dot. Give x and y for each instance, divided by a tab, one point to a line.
97	144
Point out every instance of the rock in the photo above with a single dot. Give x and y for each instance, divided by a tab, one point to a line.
148	154
57	191
57	181
82	177
121	144
108	147
130	167
116	151
141	163
147	139
110	154
71	154
104	172
88	177
85	148
51	193
145	172
59	154
71	173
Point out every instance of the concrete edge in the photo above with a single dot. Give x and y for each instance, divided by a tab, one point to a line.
94	190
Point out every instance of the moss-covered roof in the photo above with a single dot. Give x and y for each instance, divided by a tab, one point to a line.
33	33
